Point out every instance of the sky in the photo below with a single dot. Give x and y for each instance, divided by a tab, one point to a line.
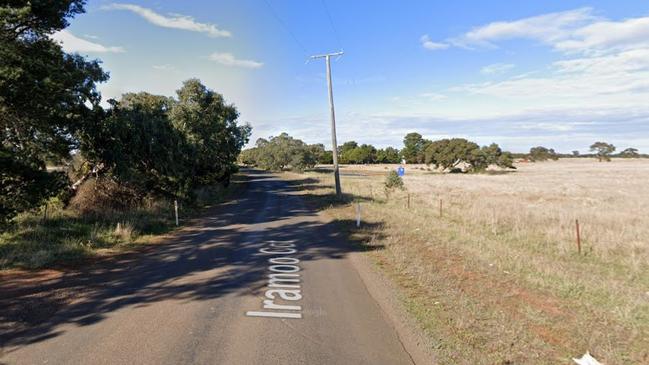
561	74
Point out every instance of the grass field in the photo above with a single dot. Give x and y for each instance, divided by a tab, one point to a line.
497	278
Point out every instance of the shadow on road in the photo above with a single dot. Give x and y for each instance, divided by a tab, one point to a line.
225	238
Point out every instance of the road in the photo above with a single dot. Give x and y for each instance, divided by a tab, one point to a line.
198	298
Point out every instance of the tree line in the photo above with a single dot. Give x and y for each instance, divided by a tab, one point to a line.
51	115
455	154
602	151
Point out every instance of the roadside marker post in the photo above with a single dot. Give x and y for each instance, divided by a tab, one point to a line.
176	211
578	236
358	215
440	208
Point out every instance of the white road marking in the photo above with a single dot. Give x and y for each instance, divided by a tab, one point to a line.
283	282
274	314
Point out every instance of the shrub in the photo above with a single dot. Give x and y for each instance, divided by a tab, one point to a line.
103	195
393	181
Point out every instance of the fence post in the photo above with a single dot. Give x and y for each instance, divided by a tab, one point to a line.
176	211
440	208
578	236
408	200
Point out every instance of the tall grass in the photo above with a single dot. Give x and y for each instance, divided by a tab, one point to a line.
54	235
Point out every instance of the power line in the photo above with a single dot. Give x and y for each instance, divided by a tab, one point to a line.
331	23
279	20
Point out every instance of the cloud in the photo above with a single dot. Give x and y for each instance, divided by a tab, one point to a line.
496	68
72	44
228	59
433	96
570	32
175	21
547	28
165	67
606	35
430	45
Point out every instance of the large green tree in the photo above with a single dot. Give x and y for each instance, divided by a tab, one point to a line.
450	154
47	97
280	152
137	145
210	125
414	148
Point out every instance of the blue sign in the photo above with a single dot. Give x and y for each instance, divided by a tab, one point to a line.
401	171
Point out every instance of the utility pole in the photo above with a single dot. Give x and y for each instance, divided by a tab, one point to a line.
334	148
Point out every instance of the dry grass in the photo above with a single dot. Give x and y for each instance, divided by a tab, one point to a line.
92	226
497	279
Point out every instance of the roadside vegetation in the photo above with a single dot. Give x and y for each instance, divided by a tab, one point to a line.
77	176
489	265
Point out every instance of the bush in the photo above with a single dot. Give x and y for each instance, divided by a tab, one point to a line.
393	181
103	195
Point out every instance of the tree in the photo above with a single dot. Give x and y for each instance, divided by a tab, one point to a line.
362	154
451	153
630	153
541	153
603	150
388	155
47	98
575	153
210	126
280	152
344	151
414	148
138	146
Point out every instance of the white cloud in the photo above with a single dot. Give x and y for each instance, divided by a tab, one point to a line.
228	59
572	31
428	44
433	96
165	67
603	35
496	68
175	21
72	43
547	28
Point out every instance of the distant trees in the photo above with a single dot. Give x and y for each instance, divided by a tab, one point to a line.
602	150
353	153
281	152
450	154
630	153
541	153
388	155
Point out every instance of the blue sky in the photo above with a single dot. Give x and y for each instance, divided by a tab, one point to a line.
562	74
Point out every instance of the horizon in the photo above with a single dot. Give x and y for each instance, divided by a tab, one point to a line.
557	75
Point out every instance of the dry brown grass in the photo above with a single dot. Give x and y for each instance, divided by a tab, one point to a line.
497	279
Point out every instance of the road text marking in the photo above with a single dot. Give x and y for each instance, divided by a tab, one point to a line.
283	282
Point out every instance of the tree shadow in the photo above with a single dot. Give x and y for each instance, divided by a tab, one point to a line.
181	268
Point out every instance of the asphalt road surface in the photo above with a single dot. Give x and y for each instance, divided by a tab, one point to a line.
205	296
